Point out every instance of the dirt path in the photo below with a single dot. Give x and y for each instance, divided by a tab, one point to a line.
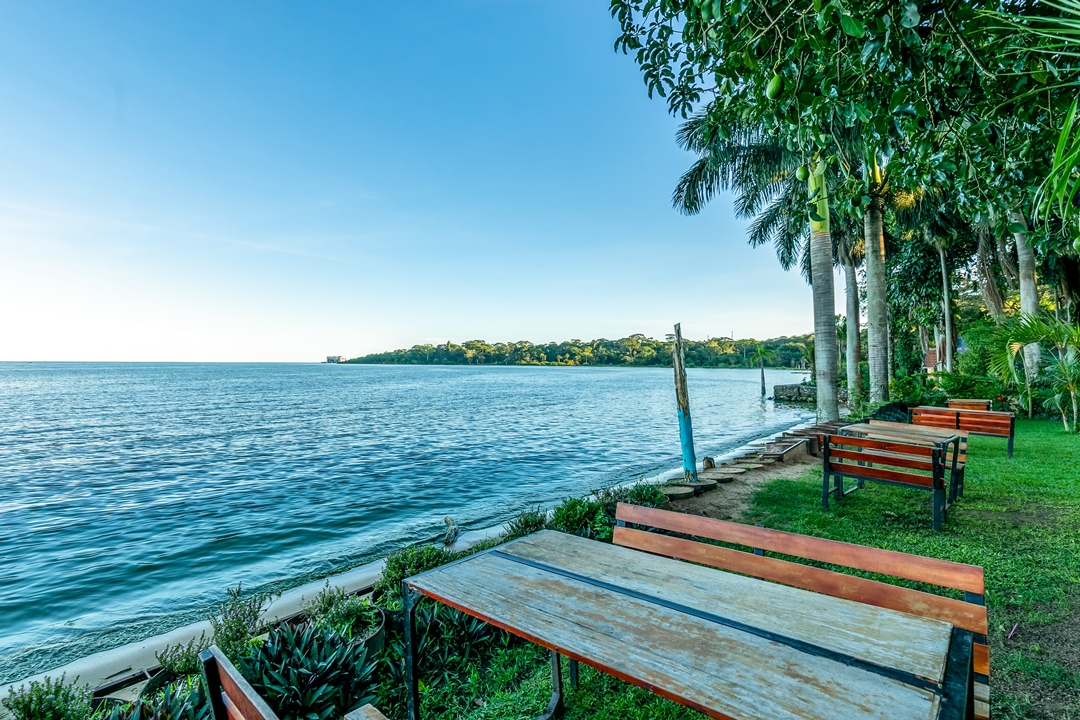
728	501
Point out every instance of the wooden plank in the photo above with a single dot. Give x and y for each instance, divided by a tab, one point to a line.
883	458
240	697
717	670
955	612
870	444
981	658
841	626
875	473
943	573
368	712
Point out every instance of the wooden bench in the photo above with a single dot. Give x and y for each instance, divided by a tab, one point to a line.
635	526
924	434
976	422
920	466
968	404
233	698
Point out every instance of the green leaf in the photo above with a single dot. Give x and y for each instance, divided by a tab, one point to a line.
852	26
909	15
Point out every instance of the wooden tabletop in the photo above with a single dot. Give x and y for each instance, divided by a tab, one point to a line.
727	645
916	433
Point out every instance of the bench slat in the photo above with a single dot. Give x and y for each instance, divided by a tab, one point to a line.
943	573
891	459
873	444
875	473
870	592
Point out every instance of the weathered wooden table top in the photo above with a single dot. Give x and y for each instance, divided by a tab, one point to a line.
916	433
728	645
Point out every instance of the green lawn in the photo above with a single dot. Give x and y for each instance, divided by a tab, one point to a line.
1019	519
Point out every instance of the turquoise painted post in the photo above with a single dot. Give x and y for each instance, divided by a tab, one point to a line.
682	397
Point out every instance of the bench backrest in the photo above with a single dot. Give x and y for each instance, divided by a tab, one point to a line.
911	434
978	422
865	456
968	614
968	404
231	697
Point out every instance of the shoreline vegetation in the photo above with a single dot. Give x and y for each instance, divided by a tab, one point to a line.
795	352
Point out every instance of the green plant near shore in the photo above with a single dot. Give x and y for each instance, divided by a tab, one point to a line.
404	563
309	672
184	699
51	699
348	615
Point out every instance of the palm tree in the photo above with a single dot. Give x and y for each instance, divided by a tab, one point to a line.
762	355
764	174
849	251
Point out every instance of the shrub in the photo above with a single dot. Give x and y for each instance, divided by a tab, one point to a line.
525	523
961	385
348	615
184	700
595	518
309	673
575	516
915	390
404	563
183	660
238	621
50	700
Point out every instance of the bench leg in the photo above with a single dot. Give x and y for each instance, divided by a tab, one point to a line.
825	490
409	599
555	705
211	676
939	508
1009	449
838	486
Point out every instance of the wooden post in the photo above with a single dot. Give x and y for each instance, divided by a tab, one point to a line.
682	397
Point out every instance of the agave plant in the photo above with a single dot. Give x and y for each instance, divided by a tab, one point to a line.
182	700
309	673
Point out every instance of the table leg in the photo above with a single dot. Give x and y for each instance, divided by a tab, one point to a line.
555	705
409	599
573	675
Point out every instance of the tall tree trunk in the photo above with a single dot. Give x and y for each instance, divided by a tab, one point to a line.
991	294
821	269
946	307
1008	266
762	376
877	315
1029	289
937	348
924	341
854	381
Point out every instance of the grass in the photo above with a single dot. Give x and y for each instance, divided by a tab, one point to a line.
1019	519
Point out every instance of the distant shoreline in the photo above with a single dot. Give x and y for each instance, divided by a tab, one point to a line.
792	353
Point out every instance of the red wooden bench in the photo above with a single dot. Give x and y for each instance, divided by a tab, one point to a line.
919	466
634	523
232	697
968	404
976	422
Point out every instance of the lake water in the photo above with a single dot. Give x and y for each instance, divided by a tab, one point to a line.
133	495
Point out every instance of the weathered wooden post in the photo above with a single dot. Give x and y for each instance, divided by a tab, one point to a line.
682	397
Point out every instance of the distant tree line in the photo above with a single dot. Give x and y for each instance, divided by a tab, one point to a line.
790	352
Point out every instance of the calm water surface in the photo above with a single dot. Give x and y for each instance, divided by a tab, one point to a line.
133	495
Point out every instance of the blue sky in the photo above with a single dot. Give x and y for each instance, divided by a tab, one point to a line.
281	181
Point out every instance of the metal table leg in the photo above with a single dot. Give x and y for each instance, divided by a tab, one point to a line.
555	705
409	599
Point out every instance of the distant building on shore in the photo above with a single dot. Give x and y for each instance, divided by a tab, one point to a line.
334	358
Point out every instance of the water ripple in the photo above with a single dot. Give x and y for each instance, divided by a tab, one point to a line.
134	494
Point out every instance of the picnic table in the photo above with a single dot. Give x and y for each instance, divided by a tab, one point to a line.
727	645
952	442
